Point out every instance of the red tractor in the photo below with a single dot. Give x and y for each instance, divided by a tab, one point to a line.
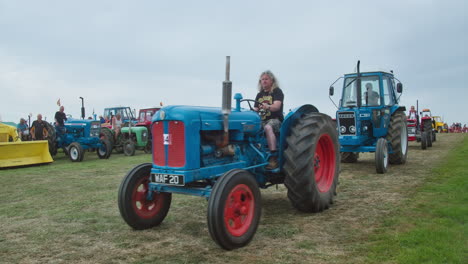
419	130
145	117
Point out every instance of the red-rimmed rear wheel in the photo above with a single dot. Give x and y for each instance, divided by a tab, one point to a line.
324	163
135	208
234	209
312	161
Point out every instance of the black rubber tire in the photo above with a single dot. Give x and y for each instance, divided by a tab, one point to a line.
75	152
141	214
313	141
104	151
51	139
381	156
398	137
428	129
434	136
423	140
108	134
429	139
129	147
349	157
241	188
148	147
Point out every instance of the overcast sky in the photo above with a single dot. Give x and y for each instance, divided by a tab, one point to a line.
141	53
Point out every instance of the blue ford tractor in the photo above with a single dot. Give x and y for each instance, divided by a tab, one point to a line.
79	135
369	118
221	154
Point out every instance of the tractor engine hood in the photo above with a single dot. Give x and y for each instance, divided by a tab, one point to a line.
210	118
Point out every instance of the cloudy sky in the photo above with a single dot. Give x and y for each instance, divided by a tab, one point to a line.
141	53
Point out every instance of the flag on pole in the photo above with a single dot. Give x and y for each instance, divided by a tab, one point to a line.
160	103
58	102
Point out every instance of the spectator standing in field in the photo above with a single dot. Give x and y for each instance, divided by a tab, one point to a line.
39	129
23	129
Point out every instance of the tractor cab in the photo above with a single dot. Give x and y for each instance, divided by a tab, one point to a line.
145	116
125	112
365	107
369	113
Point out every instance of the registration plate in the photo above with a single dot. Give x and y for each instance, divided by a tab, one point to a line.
169	179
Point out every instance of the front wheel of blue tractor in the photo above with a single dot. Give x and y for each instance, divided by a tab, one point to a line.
136	209
75	152
381	156
234	209
312	163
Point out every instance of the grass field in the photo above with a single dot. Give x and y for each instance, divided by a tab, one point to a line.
416	213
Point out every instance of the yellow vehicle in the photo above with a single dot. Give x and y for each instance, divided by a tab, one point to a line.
439	125
14	152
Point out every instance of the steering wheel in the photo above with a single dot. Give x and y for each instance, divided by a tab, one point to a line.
249	101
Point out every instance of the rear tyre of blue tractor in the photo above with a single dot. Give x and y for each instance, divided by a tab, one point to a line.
51	138
75	152
381	156
105	150
135	208
234	209
106	133
398	137
423	140
312	161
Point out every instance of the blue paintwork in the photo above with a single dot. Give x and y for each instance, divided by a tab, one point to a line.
365	140
246	137
86	132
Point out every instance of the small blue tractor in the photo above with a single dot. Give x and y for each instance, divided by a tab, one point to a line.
80	135
221	154
370	120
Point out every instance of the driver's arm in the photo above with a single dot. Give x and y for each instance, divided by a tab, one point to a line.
276	106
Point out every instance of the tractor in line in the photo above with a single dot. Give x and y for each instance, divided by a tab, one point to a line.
221	154
370	119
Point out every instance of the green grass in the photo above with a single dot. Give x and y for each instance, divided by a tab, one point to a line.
431	226
67	212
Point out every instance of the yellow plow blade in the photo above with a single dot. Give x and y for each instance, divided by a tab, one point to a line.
24	153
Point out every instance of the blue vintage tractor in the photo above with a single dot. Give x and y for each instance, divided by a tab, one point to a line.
369	118
221	154
80	135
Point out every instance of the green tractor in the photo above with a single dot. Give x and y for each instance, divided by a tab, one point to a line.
130	138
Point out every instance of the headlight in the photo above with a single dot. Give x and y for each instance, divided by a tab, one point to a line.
342	129
352	129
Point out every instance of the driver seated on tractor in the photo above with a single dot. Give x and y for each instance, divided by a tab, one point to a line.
371	96
412	113
269	104
60	118
117	125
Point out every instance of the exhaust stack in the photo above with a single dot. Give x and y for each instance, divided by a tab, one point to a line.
226	102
